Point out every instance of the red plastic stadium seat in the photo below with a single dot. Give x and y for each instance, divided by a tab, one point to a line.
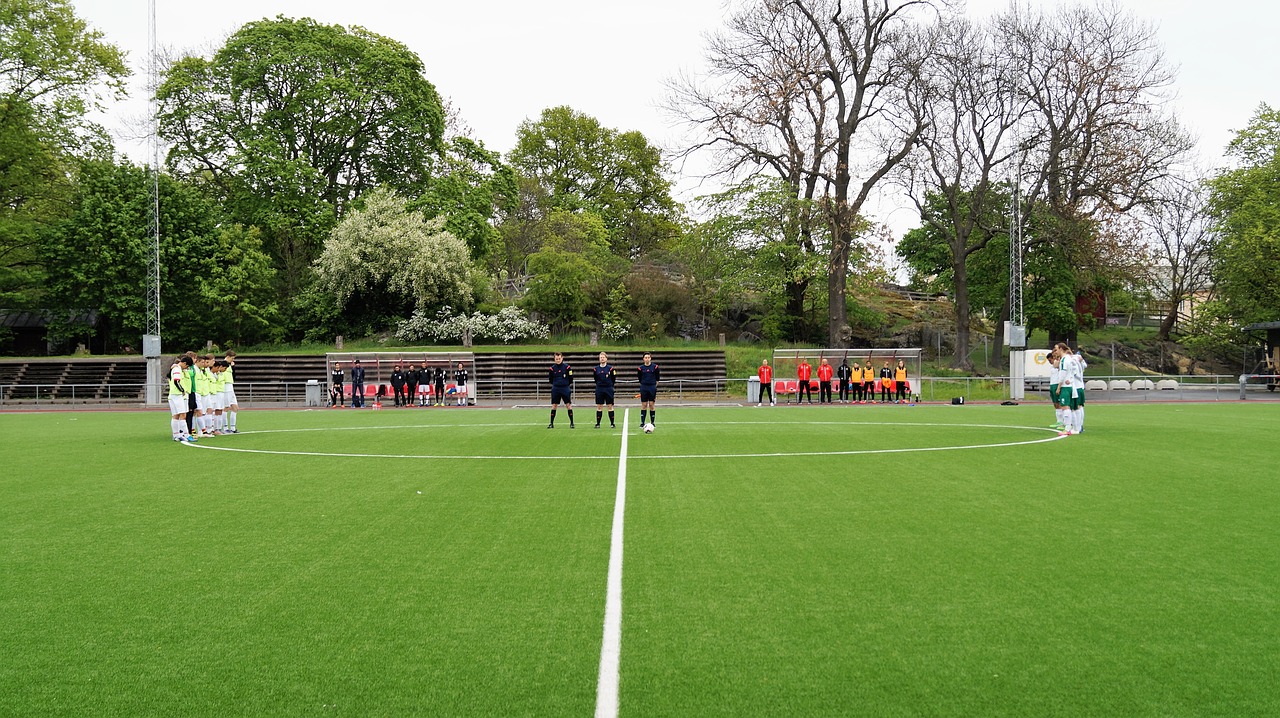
793	386
779	387
813	384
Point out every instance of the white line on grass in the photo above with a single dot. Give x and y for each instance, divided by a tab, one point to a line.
611	647
761	455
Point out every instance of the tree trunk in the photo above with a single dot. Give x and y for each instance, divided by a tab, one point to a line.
997	354
961	360
1166	324
795	292
837	291
842	240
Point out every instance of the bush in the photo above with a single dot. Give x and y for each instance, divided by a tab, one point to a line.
508	325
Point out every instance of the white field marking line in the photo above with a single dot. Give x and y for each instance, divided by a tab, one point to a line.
451	457
387	426
611	645
779	454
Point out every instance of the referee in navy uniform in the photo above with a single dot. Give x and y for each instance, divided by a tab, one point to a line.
561	377
648	375
606	379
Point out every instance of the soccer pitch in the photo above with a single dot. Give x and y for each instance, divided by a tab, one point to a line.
789	561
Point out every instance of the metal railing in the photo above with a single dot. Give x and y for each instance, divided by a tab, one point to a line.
508	392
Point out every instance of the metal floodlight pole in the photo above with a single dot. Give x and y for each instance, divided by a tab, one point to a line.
151	347
1016	330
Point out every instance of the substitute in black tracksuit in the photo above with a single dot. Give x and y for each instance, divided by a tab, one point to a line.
398	381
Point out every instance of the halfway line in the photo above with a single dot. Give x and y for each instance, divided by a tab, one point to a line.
611	647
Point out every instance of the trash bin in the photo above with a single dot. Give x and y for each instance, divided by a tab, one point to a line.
313	393
753	390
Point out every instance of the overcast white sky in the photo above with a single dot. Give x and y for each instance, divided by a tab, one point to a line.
501	62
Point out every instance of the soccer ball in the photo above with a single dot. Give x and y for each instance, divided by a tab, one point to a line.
648	428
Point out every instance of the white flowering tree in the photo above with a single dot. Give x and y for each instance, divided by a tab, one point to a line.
508	325
384	262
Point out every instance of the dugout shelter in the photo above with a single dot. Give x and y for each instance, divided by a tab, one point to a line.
786	383
379	365
1272	351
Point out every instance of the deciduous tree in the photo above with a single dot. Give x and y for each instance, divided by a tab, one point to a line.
291	120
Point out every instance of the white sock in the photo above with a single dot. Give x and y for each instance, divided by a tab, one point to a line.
178	426
1077	420
231	420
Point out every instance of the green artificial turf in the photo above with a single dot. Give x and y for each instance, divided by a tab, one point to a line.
1131	570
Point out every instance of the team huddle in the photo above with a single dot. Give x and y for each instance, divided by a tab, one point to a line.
605	376
202	396
1066	388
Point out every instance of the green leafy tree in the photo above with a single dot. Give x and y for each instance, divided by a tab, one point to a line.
240	289
291	120
558	287
383	262
1245	202
214	284
571	274
54	70
582	165
471	184
761	238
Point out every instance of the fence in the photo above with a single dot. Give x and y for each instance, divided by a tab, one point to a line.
517	392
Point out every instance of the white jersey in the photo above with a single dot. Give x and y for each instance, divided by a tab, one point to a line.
1072	372
1055	374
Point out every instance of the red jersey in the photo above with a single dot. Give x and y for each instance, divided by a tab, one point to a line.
804	372
765	373
824	372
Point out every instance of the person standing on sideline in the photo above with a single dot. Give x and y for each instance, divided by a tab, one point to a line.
804	372
179	389
357	385
824	382
765	372
606	378
460	377
843	372
868	383
336	393
900	381
561	377
438	378
397	385
411	378
886	383
648	375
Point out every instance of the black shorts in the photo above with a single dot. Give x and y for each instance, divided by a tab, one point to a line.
604	397
561	395
648	393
